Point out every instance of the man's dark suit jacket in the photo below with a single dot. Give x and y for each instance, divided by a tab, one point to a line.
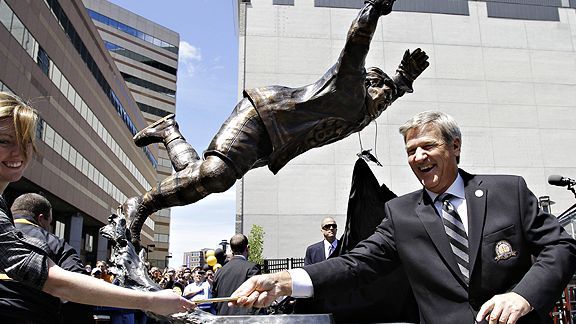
315	253
228	279
501	209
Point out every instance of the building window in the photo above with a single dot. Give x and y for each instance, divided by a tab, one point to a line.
161	238
89	243
132	31
139	58
60	229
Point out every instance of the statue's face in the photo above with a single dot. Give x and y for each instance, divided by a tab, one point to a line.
380	92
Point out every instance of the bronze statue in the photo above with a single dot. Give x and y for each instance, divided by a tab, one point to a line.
272	125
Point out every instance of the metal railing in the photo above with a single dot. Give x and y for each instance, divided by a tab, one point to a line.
276	265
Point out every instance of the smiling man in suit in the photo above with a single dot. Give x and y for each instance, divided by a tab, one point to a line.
475	247
322	250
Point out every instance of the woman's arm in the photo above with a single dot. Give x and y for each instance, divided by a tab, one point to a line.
87	290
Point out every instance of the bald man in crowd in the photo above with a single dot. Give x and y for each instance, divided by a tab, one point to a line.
322	250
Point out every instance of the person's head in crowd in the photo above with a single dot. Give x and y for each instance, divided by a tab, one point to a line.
88	269
328	227
187	274
220	255
433	141
17	133
97	273
155	274
103	266
34	207
199	276
179	273
209	276
239	245
169	274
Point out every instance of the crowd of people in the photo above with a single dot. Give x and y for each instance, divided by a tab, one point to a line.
476	247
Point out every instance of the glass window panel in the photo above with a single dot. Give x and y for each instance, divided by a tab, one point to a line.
85	167
89	243
49	137
72	156
57	143
5	15
91	172
59	229
28	43
64	86
84	111
71	95
78	102
17	29
89	117
65	149
56	75
100	130
79	159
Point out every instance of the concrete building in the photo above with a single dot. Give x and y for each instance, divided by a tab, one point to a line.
505	70
86	163
147	56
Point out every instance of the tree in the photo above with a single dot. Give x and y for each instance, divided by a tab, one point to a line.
256	242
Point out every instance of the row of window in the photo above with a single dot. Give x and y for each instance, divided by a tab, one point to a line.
69	153
80	47
32	47
132	31
162	238
152	110
512	9
77	102
139	57
148	85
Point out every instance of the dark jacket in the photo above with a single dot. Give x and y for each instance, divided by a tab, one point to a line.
501	209
228	279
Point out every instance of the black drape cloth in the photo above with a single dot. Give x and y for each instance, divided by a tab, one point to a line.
388	299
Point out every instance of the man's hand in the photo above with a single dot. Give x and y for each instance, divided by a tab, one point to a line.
260	291
505	308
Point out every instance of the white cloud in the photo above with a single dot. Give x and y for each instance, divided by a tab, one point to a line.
188	58
188	52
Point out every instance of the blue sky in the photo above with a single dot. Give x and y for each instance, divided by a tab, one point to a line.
206	94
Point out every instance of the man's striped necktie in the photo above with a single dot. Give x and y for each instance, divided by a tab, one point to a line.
457	234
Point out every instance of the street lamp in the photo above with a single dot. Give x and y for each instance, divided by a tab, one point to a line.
224	244
166	260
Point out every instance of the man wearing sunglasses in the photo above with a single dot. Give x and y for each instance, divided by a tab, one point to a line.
322	250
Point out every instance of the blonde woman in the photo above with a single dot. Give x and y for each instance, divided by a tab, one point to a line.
24	259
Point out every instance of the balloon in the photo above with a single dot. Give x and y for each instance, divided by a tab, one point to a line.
211	260
216	267
209	253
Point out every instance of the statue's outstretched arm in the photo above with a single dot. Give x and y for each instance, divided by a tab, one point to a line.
353	55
